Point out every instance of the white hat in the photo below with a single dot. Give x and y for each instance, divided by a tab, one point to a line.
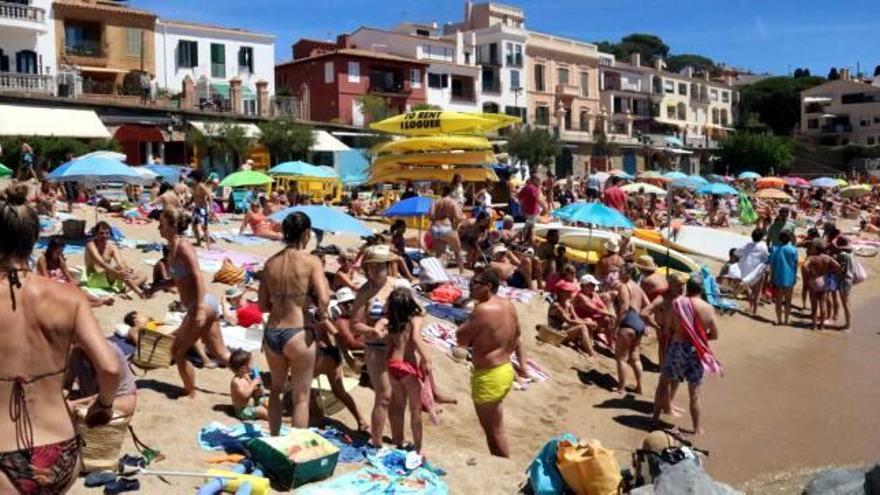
344	295
498	249
378	254
588	279
612	246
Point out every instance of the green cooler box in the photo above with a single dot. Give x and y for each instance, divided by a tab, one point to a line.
290	461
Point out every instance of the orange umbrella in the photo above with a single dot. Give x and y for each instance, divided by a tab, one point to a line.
770	193
770	182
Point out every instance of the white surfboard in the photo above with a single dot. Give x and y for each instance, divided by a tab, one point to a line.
705	241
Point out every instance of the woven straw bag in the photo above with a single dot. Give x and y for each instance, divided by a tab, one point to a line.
101	444
153	350
230	274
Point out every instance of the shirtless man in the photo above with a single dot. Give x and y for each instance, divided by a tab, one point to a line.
661	316
631	303
493	333
105	267
445	215
653	283
201	207
683	362
609	266
509	269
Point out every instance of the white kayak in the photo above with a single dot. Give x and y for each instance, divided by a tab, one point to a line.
584	240
704	241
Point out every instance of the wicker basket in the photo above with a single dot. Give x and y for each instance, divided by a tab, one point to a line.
154	350
550	335
102	444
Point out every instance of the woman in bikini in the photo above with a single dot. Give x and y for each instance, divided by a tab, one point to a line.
53	265
289	339
259	223
39	449
202	320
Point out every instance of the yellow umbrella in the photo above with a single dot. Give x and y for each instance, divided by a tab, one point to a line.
433	174
635	187
842	183
771	193
442	158
856	191
433	143
433	122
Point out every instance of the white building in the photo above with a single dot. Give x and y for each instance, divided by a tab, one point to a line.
213	56
27	46
494	36
453	77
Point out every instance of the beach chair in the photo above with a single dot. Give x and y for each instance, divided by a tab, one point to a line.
713	294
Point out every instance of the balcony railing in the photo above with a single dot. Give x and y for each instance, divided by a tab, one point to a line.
568	90
84	48
19	12
395	89
26	83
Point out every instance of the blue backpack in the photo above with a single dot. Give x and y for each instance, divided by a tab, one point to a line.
544	476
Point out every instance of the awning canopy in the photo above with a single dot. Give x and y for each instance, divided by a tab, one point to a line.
23	120
675	151
324	141
211	128
138	133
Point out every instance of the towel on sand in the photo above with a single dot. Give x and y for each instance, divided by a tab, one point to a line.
243	240
231	438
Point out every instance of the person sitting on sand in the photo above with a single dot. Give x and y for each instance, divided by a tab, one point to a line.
52	264
259	223
161	277
590	307
510	269
562	316
246	388
81	372
493	334
631	302
105	268
689	353
239	309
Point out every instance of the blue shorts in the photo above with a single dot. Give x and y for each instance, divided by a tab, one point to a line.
682	363
832	282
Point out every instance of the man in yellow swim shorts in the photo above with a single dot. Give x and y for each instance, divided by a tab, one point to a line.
493	334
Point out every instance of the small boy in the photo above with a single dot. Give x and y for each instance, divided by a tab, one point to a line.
244	387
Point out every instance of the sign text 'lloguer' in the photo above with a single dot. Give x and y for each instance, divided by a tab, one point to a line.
421	120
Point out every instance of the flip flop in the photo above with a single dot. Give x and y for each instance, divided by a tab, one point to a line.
122	485
99	478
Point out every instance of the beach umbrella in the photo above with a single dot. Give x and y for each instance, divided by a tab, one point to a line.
417	206
717	188
797	182
303	169
246	178
715	178
113	155
434	122
326	218
842	183
774	182
696	179
620	173
675	175
147	175
602	176
771	193
824	182
94	170
566	211
599	215
4	170
690	182
651	175
748	175
856	191
635	187
169	173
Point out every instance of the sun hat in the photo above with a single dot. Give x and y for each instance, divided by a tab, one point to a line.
566	286
378	254
498	249
646	263
612	246
233	292
842	244
589	279
344	295
347	254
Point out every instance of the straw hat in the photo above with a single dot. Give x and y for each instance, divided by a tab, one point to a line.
646	263
378	254
344	295
612	246
588	279
347	255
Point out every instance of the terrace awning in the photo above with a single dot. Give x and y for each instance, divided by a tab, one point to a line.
24	120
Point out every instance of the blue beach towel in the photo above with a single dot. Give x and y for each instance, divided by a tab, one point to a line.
713	293
231	438
447	312
544	476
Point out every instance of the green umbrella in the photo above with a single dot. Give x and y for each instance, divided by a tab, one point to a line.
246	178
4	170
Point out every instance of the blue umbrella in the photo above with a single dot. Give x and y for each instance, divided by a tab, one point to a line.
696	179
824	182
599	215
748	176
690	182
675	175
170	173
304	169
566	210
714	178
93	170
717	188
326	218
417	206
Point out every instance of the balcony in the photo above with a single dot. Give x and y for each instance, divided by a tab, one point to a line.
567	90
85	52
27	17
836	129
398	89
26	83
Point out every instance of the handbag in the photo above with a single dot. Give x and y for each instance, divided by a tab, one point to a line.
588	468
859	274
230	274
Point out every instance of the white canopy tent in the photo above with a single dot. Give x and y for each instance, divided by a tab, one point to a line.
25	120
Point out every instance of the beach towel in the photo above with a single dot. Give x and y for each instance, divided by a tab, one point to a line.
373	480
231	438
534	369
234	256
513	294
351	450
243	240
70	247
447	312
747	215
713	292
544	475
247	339
693	327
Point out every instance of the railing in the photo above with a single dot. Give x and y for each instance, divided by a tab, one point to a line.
568	90
84	48
630	86
836	128
397	89
288	106
28	83
21	12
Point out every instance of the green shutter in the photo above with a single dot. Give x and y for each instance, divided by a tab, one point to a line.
218	53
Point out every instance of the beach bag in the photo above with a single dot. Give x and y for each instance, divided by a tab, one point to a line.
859	274
432	272
588	468
230	274
544	476
446	293
101	444
153	350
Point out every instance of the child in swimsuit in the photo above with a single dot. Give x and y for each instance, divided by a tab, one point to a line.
246	388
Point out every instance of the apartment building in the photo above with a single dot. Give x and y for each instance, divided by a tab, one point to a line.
494	36
625	90
27	46
330	79
453	77
841	112
231	67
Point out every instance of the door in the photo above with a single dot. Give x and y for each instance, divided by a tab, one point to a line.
564	163
357	114
629	162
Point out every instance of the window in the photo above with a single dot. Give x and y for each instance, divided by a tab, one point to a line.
812	123
438	81
415	78
4	62
683	89
668	86
713	95
516	112
134	42
872	140
539	77
490	107
354	72
26	62
562	75
725	96
585	84
670	112
509	54
246	59
328	72
584	121
514	80
423	32
490	80
542	115
877	120
467	58
187	54
82	38
218	60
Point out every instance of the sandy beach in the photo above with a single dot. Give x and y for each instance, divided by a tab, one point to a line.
791	399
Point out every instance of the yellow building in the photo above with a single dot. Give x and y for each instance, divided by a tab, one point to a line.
104	40
841	112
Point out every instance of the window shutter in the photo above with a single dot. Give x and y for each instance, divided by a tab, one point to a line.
194	54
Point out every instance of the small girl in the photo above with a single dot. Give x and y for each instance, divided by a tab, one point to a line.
405	370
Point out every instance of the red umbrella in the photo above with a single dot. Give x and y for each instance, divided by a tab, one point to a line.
797	182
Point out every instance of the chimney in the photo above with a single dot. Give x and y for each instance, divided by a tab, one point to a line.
343	41
235	95
658	64
635	59
188	97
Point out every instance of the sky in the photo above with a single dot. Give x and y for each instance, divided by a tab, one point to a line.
773	36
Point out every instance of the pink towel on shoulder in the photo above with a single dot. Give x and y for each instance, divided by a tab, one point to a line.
692	325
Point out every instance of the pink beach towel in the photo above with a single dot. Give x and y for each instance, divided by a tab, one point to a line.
692	325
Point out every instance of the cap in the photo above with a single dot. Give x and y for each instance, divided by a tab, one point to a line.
589	279
498	249
612	246
646	263
344	295
378	254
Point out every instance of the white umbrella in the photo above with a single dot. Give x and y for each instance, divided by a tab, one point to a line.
635	187
113	155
